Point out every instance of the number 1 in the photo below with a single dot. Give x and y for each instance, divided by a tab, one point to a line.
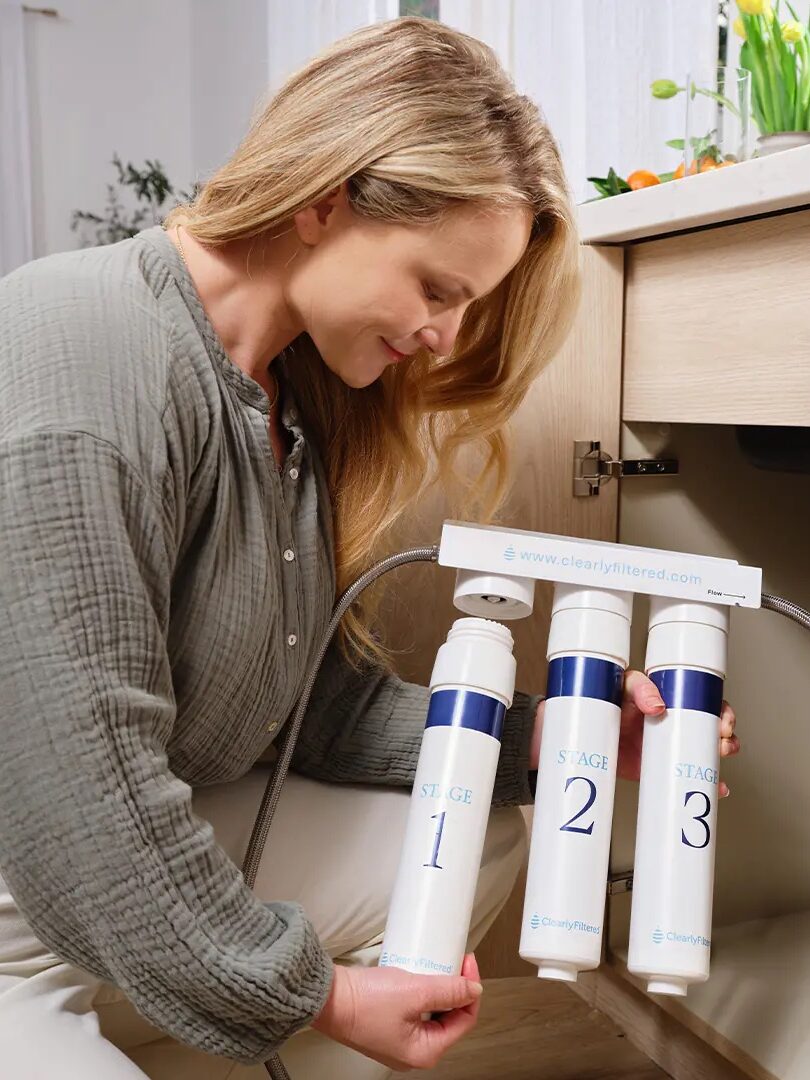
438	840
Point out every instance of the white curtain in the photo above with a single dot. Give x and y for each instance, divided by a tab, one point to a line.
589	64
16	231
297	31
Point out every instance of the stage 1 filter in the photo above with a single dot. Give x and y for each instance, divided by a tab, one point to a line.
472	685
588	652
673	876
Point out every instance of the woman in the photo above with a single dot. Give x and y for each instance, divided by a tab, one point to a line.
206	431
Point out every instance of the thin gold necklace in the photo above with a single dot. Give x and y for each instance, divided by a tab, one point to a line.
183	257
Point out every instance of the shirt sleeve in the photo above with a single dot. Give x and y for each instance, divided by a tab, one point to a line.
365	726
98	842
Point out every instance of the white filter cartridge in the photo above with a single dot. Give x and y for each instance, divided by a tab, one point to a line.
673	877
588	652
472	686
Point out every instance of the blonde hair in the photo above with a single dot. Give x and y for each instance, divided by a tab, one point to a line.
417	118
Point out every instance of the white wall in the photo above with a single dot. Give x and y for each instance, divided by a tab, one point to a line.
229	75
177	81
104	77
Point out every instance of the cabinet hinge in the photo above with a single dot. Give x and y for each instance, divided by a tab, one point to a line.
594	467
620	882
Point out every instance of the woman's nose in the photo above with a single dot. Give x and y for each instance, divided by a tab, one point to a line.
440	336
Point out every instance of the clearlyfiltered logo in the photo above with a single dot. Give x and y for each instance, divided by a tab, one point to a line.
510	553
534	922
658	936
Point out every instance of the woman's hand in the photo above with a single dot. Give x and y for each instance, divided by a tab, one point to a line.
641	698
378	1012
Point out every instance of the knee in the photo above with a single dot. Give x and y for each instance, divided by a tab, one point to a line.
506	845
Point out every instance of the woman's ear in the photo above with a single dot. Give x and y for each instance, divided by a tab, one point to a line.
314	220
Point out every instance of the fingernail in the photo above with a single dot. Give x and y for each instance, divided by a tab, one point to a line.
475	988
656	703
728	792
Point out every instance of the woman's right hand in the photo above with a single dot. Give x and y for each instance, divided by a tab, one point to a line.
378	1012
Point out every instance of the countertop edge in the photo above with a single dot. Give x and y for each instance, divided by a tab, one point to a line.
763	185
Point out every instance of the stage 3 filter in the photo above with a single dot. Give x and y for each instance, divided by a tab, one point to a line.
673	877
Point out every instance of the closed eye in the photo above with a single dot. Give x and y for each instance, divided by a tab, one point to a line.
432	297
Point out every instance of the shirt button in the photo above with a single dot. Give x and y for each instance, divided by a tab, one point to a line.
291	640
289	554
273	726
293	473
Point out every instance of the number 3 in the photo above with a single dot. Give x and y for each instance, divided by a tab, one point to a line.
698	817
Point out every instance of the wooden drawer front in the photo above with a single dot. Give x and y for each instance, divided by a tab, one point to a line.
717	325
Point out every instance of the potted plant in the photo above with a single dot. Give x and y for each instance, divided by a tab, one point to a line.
150	189
778	56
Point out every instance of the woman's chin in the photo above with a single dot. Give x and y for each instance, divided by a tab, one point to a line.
359	378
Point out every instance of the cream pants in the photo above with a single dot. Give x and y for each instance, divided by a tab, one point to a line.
57	1022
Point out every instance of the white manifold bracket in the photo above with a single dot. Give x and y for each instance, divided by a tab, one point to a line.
514	554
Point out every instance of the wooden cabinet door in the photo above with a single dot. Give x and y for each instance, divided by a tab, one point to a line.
576	397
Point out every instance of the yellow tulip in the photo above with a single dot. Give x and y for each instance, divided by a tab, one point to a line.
739	27
755	7
792	32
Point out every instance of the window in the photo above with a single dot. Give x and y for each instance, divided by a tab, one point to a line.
427	8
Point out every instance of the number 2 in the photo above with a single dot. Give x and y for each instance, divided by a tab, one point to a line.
568	827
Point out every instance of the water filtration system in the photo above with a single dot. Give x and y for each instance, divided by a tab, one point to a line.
588	652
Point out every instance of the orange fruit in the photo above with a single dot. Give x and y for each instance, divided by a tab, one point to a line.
642	178
707	164
725	164
678	172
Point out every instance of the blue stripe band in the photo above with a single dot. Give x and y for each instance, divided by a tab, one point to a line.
585	676
684	688
467	709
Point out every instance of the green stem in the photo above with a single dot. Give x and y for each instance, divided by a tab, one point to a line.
775	87
755	52
723	100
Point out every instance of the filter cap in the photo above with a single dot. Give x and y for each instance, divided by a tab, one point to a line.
664	609
493	596
581	597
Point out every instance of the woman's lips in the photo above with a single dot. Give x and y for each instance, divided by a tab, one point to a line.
392	351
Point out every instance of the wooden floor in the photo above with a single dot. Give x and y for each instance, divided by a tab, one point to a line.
536	1029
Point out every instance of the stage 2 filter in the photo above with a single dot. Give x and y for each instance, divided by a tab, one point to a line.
588	653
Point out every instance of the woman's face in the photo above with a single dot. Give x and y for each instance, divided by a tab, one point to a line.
369	293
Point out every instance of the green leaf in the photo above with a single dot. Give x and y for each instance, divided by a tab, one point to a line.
676	144
787	69
756	106
757	64
784	110
616	183
792	11
664	177
600	183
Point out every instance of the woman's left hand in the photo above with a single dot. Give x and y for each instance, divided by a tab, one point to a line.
640	698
